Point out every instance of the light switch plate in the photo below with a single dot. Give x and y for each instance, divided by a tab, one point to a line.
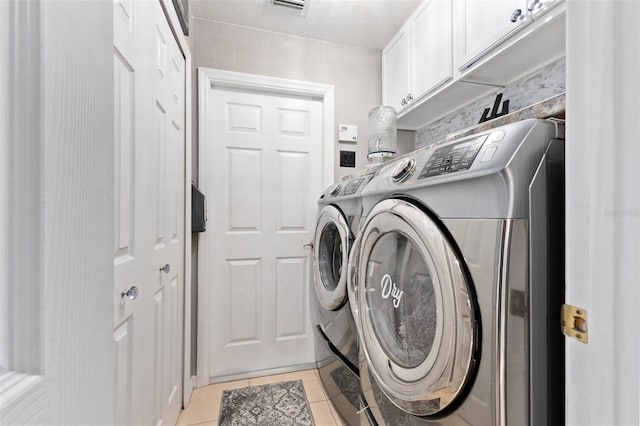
347	158
347	133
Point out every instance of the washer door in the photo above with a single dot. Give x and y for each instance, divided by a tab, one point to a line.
417	318
331	252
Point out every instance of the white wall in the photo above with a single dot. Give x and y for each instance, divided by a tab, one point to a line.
355	72
603	210
406	141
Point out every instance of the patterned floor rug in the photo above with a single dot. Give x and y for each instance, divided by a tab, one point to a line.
281	404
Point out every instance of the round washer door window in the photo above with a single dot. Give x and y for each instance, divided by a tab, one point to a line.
417	319
331	251
402	301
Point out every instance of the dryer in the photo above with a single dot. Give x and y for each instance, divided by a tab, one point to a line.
457	280
339	214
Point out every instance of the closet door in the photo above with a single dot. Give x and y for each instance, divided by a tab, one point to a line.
165	214
149	142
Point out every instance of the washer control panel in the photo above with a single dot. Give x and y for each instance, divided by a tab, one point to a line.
352	186
346	188
453	157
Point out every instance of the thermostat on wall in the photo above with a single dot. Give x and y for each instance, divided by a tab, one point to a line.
347	133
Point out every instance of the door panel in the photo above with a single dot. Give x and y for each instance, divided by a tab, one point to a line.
293	191
265	157
149	203
158	353
124	363
245	194
243	325
291	297
129	258
169	250
158	175
243	118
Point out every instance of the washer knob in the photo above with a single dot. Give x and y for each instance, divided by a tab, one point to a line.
335	190
404	170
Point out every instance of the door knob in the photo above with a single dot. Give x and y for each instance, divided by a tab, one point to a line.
403	101
516	15
132	293
166	268
409	97
532	5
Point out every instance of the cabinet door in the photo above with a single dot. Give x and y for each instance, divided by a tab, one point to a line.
485	23
430	44
395	70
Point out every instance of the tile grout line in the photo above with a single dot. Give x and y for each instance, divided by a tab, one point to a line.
201	423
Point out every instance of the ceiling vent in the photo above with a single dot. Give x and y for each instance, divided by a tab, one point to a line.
294	4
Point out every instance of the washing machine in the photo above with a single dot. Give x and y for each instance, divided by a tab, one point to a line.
339	216
457	282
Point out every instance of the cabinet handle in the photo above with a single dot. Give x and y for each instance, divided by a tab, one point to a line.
403	102
409	97
532	5
515	15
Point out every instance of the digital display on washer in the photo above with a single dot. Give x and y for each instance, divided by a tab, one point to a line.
452	158
352	186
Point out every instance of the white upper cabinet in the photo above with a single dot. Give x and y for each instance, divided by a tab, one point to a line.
430	47
482	24
450	52
395	70
419	57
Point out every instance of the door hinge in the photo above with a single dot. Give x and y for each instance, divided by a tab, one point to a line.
574	323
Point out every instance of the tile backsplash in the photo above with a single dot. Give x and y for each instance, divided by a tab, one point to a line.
537	86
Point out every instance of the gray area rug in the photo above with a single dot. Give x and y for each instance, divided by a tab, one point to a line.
282	404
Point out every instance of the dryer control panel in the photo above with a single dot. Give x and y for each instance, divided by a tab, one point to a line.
453	157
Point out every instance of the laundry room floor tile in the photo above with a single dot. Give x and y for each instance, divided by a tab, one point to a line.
322	414
204	408
337	418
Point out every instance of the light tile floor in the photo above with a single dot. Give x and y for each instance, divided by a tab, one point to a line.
204	408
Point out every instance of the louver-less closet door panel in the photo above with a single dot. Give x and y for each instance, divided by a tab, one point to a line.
149	83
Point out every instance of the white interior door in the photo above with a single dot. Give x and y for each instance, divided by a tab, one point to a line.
265	165
149	142
166	211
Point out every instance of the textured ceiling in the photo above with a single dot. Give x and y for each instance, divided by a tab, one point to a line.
368	23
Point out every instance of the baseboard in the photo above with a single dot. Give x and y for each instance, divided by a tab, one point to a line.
260	373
